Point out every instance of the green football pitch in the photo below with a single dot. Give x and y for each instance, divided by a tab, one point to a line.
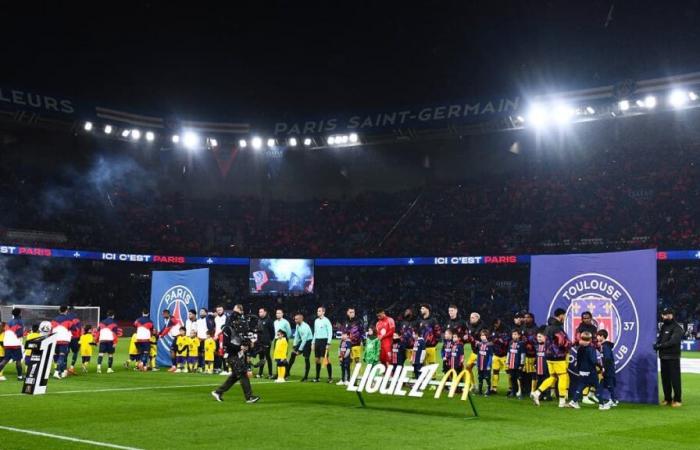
160	410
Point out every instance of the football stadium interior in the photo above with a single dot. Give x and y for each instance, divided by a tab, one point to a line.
148	249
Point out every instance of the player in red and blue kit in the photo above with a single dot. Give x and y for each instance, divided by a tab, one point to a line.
483	361
61	327
606	349
418	355
172	329
398	351
107	334
76	331
456	358
14	331
541	371
586	363
515	361
446	351
144	329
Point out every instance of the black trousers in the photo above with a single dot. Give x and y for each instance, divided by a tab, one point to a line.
231	380
671	379
307	363
265	353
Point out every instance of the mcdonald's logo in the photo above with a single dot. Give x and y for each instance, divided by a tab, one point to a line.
454	378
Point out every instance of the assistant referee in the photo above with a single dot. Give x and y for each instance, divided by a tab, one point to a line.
323	334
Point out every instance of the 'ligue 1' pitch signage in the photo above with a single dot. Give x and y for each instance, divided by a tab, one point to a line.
402	381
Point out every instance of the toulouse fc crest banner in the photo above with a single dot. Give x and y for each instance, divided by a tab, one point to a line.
177	291
619	290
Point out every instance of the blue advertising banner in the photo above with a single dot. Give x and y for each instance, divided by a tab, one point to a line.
178	292
619	289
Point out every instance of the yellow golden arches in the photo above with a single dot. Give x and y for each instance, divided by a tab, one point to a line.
454	379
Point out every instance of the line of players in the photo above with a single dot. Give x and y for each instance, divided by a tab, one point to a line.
536	359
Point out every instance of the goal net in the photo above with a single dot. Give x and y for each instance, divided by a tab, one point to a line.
34	314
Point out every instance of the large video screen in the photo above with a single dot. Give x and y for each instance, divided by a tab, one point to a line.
281	276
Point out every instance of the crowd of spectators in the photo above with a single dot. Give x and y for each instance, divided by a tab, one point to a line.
614	197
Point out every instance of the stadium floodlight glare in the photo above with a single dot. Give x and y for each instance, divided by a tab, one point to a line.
692	96
242	143
150	137
176	139
88	126
126	133
270	142
624	105
678	98
563	114
307	142
213	142
331	140
354	138
649	101
590	110
537	116
292	142
108	129
135	134
190	139
256	143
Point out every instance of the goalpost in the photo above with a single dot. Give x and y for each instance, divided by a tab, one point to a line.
34	314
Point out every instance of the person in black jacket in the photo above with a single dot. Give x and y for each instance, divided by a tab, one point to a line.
240	366
265	330
668	344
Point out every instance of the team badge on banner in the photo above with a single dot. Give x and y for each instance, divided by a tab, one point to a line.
619	290
178	292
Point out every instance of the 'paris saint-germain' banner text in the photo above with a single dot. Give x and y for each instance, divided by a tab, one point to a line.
619	289
177	291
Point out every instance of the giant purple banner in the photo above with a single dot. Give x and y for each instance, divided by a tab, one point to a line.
619	289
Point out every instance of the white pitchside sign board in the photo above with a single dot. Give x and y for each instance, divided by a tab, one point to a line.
39	367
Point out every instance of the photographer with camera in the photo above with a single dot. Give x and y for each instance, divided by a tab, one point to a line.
237	345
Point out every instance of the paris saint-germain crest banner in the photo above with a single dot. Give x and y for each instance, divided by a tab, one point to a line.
619	290
177	291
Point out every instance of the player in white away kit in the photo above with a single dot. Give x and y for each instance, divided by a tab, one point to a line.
61	327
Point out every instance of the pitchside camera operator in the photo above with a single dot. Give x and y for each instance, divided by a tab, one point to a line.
237	345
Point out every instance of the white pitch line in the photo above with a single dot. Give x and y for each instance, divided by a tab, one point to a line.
66	438
89	391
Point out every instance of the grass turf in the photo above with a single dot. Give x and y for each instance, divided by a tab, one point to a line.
162	410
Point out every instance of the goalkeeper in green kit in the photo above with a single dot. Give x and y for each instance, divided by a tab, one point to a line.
371	354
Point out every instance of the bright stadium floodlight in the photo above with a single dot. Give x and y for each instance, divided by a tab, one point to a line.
649	101
108	129
678	98
692	96
307	142
135	134
126	133
354	138
270	142
176	138
590	110
88	126
537	116
256	143
150	137
292	142
563	114
242	143
624	105
331	140
213	142
190	139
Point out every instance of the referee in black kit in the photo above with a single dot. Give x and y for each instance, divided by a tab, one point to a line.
668	344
